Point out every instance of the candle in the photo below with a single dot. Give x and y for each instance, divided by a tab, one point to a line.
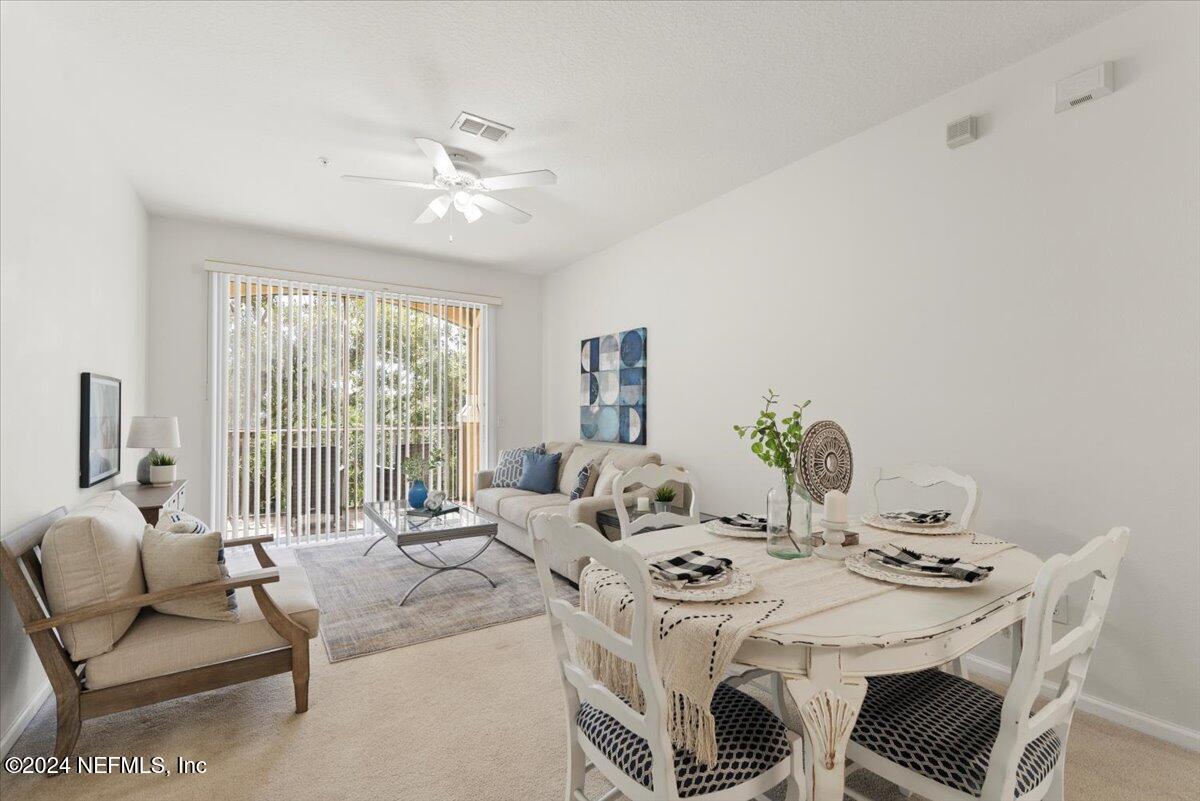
835	506
643	504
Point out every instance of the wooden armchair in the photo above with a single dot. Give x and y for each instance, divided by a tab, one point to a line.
20	564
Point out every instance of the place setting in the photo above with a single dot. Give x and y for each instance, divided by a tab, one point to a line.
932	522
697	576
900	565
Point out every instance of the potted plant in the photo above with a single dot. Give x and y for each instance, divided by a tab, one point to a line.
417	468
663	496
162	468
776	441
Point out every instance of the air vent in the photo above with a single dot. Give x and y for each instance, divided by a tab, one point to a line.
1083	87
960	132
1079	100
484	128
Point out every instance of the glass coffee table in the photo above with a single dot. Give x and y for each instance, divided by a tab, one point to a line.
413	534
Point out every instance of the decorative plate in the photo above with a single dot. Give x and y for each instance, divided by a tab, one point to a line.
942	529
826	462
722	530
740	582
859	564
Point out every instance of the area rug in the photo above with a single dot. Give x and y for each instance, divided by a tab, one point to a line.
360	595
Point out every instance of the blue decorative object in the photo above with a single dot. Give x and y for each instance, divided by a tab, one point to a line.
417	493
612	387
539	472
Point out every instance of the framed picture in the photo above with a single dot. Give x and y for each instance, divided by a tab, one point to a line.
612	387
99	428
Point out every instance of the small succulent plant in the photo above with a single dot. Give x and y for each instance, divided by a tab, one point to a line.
160	459
664	494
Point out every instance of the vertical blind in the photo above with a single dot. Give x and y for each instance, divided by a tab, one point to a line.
325	390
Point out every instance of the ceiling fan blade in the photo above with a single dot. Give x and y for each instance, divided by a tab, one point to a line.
471	211
489	203
438	155
519	179
367	179
436	210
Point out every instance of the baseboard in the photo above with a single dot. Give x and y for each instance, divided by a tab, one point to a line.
18	726
1124	716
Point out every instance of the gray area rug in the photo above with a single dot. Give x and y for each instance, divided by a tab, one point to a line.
360	595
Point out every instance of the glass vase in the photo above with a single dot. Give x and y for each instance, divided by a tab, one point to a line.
789	522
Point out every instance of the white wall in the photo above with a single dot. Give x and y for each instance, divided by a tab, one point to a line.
179	333
72	300
1023	309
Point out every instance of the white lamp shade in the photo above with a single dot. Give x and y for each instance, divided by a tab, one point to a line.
153	432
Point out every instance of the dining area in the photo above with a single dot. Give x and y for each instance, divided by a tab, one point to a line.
770	656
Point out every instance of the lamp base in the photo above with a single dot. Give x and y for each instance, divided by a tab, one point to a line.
143	469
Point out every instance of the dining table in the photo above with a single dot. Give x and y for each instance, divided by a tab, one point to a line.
823	660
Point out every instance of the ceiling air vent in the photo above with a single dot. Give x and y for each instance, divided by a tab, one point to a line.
484	128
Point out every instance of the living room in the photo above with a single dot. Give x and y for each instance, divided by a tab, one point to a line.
350	351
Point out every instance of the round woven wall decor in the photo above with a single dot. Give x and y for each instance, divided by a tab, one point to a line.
825	460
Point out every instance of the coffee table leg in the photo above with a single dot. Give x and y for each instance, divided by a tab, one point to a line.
413	588
373	544
444	568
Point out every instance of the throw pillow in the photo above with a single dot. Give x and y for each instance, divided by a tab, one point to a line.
604	484
585	481
181	523
539	472
509	465
177	558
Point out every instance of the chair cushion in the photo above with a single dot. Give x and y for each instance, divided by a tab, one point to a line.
516	509
183	555
539	472
158	644
750	741
944	727
489	499
93	555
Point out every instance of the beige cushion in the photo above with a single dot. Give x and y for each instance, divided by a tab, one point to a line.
580	455
158	644
489	499
516	509
629	458
90	556
604	484
564	448
178	558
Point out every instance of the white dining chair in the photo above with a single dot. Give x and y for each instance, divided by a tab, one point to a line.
949	739
927	475
653	476
631	748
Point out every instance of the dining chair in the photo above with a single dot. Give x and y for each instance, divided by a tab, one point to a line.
653	476
948	739
630	747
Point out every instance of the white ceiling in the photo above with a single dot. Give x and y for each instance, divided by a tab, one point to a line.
220	110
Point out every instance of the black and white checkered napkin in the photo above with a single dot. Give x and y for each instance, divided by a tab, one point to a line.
746	522
917	516
689	569
950	566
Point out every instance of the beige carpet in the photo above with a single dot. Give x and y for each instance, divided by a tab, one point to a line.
476	717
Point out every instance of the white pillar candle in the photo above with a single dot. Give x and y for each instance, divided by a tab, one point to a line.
835	506
643	504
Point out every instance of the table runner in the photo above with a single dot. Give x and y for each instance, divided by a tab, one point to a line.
695	642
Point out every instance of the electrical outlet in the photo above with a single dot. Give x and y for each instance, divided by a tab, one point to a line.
1062	611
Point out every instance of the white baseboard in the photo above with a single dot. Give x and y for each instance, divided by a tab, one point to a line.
1147	724
18	726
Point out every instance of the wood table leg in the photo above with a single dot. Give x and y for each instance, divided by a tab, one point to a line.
829	703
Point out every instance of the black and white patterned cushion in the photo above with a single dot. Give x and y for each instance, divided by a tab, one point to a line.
582	480
944	727
750	741
510	465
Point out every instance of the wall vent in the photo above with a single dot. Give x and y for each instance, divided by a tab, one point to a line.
960	132
1083	87
482	127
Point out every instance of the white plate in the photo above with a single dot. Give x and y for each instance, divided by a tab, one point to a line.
949	527
740	582
722	530
864	567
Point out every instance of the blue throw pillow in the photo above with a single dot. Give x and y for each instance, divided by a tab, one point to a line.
539	472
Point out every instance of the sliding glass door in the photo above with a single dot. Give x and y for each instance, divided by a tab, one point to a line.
324	391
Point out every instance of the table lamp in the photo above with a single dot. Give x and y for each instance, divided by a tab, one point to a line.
152	433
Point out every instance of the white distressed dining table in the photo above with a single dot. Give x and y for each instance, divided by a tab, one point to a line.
824	659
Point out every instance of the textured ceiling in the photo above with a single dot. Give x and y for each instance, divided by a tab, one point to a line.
220	110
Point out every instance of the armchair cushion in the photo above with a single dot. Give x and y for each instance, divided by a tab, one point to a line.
177	558
90	556
158	644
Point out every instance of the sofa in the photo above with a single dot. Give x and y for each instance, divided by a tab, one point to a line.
513	508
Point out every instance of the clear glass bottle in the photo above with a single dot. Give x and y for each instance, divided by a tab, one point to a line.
789	522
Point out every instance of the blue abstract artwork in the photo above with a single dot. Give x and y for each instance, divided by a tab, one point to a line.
612	387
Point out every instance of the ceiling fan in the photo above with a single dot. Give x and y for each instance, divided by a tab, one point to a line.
463	188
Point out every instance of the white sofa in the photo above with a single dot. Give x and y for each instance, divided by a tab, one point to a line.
513	508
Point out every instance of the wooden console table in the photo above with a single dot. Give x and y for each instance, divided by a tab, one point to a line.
152	500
